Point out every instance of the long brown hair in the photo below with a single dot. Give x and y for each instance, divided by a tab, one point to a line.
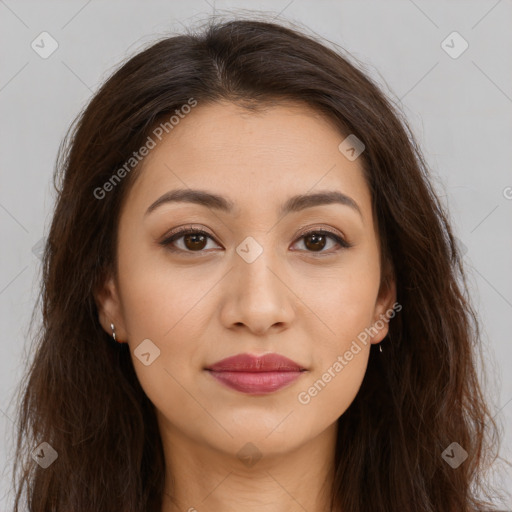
81	394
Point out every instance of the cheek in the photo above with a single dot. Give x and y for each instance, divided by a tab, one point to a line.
345	298
330	390
346	310
155	310
341	358
160	305
155	299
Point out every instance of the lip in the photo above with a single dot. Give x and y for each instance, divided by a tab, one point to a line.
256	375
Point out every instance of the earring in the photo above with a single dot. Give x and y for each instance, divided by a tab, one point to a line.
114	332
380	344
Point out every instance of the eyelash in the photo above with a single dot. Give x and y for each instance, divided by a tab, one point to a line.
194	231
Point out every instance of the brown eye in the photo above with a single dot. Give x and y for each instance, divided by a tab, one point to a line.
194	240
315	241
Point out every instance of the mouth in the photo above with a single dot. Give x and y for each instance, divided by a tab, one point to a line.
256	375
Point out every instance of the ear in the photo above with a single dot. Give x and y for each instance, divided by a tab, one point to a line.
109	309
384	310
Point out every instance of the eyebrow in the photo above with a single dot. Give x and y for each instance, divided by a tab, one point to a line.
293	204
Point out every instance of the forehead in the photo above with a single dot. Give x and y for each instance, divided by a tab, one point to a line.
256	158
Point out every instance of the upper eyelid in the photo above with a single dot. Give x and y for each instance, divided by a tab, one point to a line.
303	230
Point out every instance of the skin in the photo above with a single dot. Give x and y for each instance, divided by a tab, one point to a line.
201	307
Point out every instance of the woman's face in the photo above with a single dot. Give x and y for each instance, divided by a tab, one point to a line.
254	284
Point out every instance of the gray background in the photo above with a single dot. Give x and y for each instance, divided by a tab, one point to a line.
459	108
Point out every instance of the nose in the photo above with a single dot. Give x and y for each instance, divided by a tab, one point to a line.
257	296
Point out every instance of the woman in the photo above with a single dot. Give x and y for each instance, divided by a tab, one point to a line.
252	297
